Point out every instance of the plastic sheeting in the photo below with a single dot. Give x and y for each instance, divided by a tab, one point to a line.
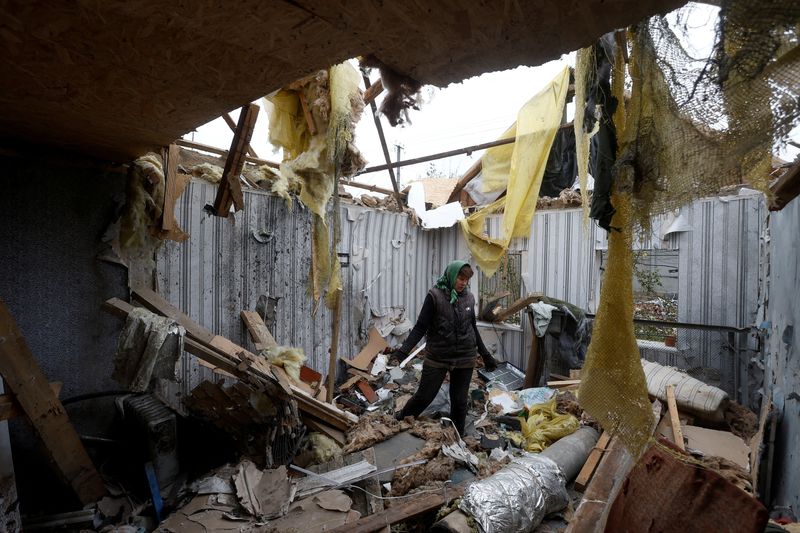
537	124
518	497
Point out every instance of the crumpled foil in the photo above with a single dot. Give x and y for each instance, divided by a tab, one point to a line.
518	497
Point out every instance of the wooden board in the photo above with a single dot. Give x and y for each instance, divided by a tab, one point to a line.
501	314
174	185
157	304
10	407
230	188
672	407
27	381
592	461
363	360
260	335
403	510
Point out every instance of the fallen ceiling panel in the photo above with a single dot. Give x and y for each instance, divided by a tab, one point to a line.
113	79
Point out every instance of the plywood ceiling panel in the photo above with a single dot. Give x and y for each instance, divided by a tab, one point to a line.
114	79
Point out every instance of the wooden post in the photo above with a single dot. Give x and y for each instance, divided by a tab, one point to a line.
27	381
230	190
532	370
337	307
382	138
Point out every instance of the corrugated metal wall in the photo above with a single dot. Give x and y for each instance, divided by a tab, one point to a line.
718	260
225	266
389	265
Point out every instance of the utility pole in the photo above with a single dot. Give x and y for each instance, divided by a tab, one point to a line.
399	151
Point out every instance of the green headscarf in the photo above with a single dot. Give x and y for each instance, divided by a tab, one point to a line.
448	280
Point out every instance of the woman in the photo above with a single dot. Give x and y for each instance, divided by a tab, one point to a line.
447	319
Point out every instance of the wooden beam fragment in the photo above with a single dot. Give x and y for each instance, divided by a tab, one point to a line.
411	508
386	156
532	370
259	333
10	407
232	125
28	383
468	176
312	127
500	314
672	406
219	151
373	91
592	461
174	185
230	188
228	356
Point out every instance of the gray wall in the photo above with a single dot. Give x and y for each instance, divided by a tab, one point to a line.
52	220
782	374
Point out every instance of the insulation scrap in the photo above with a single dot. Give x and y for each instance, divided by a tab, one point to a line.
290	358
323	448
371	429
149	347
402	92
144	202
207	171
438	468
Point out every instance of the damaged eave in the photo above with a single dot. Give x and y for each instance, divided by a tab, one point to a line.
786	188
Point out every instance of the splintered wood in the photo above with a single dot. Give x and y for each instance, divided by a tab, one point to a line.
235	360
27	381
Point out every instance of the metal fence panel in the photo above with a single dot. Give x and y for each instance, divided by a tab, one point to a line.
226	265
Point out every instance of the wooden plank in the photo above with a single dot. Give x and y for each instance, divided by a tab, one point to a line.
501	314
321	427
563	383
672	406
591	462
27	381
532	370
10	407
174	185
224	354
372	93
350	382
232	125
312	127
398	512
157	304
230	188
259	333
219	151
468	176
610	473
334	349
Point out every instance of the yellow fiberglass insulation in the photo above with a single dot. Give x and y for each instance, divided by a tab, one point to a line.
537	124
291	359
317	161
544	425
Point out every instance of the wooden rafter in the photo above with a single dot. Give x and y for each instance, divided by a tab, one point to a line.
229	191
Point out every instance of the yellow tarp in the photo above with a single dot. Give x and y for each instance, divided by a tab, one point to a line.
536	127
545	425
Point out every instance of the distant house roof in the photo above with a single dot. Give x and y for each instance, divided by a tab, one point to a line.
437	190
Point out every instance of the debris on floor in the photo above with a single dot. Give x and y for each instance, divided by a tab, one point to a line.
530	459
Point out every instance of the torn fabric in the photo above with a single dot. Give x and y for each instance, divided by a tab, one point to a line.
536	127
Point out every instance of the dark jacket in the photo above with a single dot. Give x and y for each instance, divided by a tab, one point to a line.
451	329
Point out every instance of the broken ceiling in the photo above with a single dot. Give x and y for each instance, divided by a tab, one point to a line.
114	79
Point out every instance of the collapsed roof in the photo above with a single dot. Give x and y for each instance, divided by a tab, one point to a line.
114	79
